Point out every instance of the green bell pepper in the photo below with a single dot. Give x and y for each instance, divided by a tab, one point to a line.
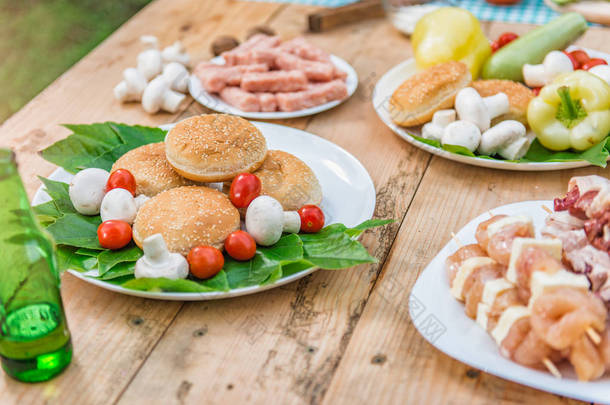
573	112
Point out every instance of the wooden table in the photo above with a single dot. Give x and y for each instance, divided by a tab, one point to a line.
335	337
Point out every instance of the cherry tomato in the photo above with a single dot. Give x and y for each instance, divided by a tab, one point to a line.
244	188
240	245
114	234
575	63
536	90
594	62
122	178
495	45
580	56
506	38
205	261
312	218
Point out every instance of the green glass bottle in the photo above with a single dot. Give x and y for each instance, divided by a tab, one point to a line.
34	337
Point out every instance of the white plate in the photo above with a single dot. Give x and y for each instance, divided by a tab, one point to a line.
349	198
441	321
215	103
401	72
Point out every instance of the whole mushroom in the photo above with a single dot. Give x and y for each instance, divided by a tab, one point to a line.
500	136
434	129
132	86
462	133
601	71
175	53
177	76
158	96
470	106
150	63
87	190
159	262
118	204
554	64
266	220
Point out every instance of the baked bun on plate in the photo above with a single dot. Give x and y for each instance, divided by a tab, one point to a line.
289	180
214	147
421	95
187	217
152	171
519	96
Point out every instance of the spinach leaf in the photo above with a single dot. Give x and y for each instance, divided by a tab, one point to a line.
108	259
69	258
216	283
119	270
332	248
58	191
368	224
76	230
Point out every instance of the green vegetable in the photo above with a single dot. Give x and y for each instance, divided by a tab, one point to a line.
508	61
99	145
596	155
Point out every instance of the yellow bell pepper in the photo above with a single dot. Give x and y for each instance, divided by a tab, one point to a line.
450	33
571	112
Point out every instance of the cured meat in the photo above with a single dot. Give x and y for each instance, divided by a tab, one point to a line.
238	98
314	70
214	77
314	95
276	81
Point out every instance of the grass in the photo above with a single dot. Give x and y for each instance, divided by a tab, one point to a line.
41	39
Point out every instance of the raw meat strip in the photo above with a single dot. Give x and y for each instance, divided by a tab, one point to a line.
316	94
266	56
214	77
274	81
240	99
256	42
318	71
300	47
267	101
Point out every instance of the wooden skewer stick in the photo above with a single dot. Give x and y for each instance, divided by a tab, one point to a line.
592	333
547	209
456	240
551	367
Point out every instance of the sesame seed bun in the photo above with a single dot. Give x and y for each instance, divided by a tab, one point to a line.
519	96
421	95
215	147
187	217
150	168
289	180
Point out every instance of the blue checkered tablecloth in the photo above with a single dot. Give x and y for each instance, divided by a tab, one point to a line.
527	11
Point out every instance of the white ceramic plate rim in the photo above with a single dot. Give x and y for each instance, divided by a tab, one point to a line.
368	199
395	76
441	320
215	103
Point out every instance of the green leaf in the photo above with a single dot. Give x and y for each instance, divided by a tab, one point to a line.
88	252
252	272
288	249
108	259
596	155
368	224
46	213
119	270
68	258
58	191
99	145
76	230
295	267
167	285
332	248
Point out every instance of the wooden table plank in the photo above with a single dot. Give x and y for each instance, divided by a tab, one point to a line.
387	359
112	333
283	346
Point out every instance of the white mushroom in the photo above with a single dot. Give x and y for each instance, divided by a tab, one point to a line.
177	76
159	262
462	133
292	222
601	71
266	220
87	190
470	106
118	204
518	148
158	96
175	53
132	86
150	41
500	136
440	119
554	64
140	200
149	63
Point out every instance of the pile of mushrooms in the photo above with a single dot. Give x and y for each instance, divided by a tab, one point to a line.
160	79
473	129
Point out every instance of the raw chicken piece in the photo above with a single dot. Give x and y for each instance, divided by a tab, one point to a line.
454	261
314	95
275	81
240	99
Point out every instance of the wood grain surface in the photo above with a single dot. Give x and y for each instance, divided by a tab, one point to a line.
333	337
